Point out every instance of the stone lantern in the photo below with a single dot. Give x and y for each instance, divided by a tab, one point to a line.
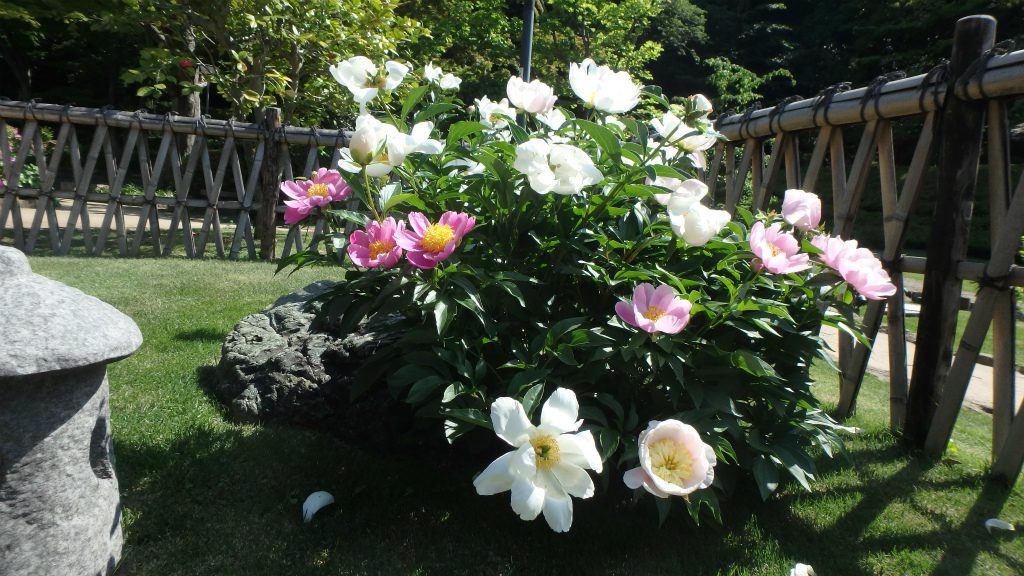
60	510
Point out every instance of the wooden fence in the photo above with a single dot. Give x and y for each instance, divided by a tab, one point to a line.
958	105
96	158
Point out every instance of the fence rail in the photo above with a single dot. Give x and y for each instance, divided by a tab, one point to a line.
962	109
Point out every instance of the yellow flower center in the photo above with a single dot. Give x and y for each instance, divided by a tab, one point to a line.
377	80
653	313
670	461
775	249
548	454
378	247
437	237
318	190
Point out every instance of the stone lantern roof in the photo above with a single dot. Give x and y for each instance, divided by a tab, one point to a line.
47	326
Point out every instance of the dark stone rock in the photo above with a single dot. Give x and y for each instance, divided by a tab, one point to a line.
278	367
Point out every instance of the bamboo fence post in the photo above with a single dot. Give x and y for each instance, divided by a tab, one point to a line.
270	183
959	151
1003	324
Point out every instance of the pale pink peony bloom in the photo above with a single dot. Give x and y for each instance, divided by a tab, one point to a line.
832	249
776	250
674	461
428	244
858	266
534	97
655	309
801	209
376	245
325	187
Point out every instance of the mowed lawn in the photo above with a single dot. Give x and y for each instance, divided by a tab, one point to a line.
206	496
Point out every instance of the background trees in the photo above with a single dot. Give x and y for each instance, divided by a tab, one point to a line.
230	58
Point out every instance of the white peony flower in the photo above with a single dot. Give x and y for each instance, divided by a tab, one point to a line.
378	147
701	104
549	462
432	73
602	88
495	114
681	135
435	75
449	82
364	80
553	119
699	224
558	168
534	97
691	220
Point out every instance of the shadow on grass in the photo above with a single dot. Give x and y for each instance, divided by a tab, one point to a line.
227	500
906	513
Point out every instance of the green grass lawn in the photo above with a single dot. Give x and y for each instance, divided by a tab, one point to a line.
204	496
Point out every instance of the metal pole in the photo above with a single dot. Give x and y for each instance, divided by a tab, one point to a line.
527	41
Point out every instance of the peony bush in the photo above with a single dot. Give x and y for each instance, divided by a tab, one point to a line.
564	259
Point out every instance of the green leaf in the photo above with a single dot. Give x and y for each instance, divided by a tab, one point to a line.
532	398
766	474
752	364
442	314
407	198
350	215
604	137
453	391
412	99
433	110
470	415
460	130
423	388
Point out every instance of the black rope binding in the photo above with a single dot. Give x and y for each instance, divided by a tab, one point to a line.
824	100
103	115
938	78
977	69
778	109
873	93
1000	283
745	119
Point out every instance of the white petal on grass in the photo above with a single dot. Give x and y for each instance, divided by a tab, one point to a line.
314	502
997	524
802	570
510	422
560	411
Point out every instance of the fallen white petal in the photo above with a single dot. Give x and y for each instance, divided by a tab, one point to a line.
802	570
998	524
314	502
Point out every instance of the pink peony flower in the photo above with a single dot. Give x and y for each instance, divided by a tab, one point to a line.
858	266
376	245
776	250
427	244
655	309
801	209
325	187
674	461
